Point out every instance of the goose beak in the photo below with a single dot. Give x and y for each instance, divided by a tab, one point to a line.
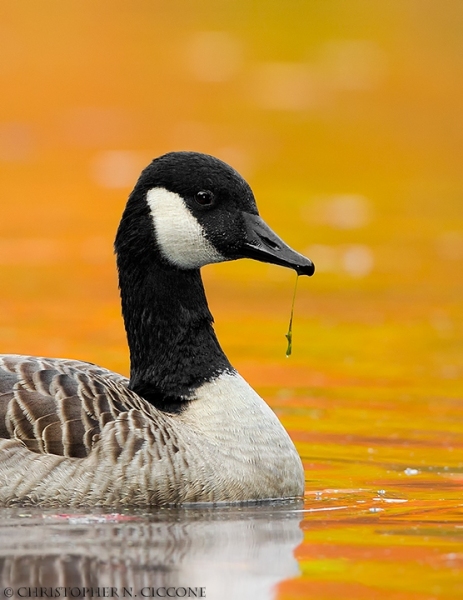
261	243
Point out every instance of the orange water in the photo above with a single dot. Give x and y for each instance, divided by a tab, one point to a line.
346	119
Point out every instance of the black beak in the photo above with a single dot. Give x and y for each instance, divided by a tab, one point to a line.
263	244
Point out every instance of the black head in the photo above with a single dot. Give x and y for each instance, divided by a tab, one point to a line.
203	211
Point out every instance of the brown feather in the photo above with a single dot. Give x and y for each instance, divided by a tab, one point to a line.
56	407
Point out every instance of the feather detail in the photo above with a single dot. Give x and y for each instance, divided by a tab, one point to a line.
74	434
57	406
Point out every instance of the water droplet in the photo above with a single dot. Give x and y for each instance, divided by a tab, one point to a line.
410	471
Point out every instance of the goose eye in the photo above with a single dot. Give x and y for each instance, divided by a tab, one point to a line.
205	198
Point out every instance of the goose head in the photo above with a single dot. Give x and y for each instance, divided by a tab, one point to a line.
202	211
187	210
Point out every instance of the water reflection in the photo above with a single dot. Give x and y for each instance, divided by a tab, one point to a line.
231	552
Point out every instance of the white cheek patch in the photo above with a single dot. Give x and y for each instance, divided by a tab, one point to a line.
180	237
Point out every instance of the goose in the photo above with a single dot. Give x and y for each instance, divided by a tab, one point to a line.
186	427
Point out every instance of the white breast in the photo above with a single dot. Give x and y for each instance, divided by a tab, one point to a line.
246	436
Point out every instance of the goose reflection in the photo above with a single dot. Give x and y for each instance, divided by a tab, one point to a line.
215	553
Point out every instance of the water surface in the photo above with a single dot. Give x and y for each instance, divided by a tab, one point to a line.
221	552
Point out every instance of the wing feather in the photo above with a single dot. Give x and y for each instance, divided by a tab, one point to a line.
60	407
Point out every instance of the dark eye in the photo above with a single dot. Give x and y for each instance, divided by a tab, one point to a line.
205	198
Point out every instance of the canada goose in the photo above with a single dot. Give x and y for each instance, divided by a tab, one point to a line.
185	427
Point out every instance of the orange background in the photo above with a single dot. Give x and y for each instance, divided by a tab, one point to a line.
346	119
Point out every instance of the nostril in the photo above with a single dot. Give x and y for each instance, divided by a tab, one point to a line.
270	243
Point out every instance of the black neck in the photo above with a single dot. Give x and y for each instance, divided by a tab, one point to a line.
173	346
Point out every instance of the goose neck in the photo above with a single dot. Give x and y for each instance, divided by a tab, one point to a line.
173	346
